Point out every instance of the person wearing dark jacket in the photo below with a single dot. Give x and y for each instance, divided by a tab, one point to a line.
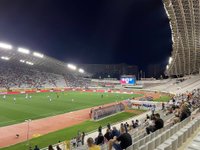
100	139
115	132
108	135
159	123
121	142
36	147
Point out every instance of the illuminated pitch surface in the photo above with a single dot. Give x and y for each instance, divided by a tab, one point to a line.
42	105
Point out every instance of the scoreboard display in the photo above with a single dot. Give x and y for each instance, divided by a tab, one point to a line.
127	80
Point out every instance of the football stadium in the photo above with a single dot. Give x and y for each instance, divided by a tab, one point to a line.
49	104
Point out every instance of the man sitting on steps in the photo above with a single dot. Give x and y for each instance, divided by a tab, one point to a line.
159	123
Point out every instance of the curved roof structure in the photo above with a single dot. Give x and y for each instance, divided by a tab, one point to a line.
184	16
21	56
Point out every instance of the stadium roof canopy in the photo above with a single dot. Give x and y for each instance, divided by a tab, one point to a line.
22	56
184	16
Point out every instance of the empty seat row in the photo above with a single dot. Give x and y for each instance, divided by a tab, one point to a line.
195	145
175	141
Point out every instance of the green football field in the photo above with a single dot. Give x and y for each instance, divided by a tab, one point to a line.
42	105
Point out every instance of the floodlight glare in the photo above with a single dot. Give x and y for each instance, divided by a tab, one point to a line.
6	46
170	60
81	70
29	63
23	50
167	67
22	61
5	58
36	54
70	66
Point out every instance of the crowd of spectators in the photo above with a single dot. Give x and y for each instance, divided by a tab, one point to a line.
182	105
73	80
115	138
13	76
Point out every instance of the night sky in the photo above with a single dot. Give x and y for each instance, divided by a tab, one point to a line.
89	31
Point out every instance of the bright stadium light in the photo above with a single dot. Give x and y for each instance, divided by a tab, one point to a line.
29	63
170	60
22	61
81	70
5	58
36	54
167	67
70	66
23	50
6	46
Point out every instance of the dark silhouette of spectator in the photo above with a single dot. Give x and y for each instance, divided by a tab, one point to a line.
100	129
108	135
115	132
100	139
82	138
58	147
159	123
36	147
125	127
163	106
50	147
125	140
108	126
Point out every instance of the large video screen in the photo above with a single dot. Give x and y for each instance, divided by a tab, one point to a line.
127	80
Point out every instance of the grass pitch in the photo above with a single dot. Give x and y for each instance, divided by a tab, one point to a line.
42	105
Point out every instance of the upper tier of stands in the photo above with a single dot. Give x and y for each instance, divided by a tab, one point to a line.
178	86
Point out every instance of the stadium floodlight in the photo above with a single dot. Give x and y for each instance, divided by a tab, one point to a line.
6	46
23	50
167	67
70	66
36	54
5	58
29	63
22	61
81	70
170	60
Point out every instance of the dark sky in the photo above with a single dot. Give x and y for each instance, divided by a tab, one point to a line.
89	31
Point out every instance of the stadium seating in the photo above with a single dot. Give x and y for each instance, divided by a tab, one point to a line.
20	76
172	86
195	144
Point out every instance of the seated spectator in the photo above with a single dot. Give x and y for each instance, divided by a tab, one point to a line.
108	135
100	129
91	145
159	123
133	123
58	147
128	126
100	139
36	147
78	139
108	126
73	141
82	138
115	132
177	116
50	147
184	112
125	127
121	142
136	124
163	106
